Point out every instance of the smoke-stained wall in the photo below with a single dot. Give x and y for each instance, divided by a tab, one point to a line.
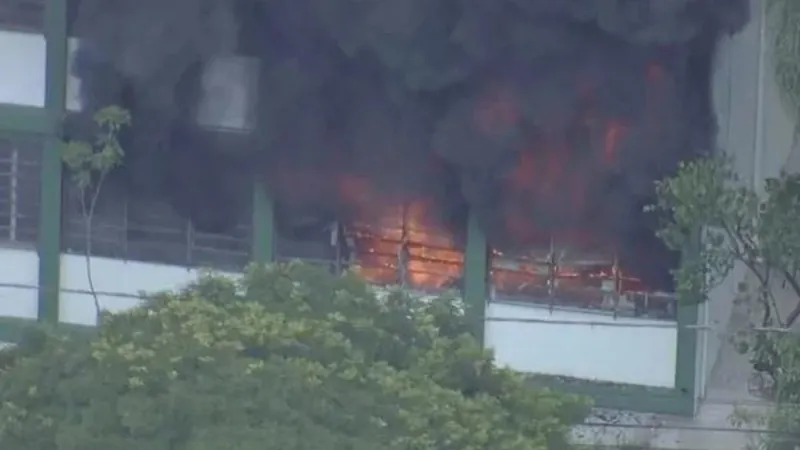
537	115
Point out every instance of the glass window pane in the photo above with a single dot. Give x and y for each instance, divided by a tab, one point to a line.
22	77
19	192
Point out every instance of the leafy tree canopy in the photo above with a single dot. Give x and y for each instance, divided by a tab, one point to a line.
287	358
711	210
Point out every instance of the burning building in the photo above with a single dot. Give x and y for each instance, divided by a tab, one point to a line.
385	136
379	128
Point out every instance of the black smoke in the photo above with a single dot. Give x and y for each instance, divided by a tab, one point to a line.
499	106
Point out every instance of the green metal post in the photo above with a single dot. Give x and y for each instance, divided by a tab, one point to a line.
263	224
50	196
687	318
476	275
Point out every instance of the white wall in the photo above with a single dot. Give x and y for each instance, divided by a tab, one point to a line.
643	354
19	278
638	355
22	68
118	283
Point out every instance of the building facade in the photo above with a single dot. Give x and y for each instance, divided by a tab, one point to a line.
627	347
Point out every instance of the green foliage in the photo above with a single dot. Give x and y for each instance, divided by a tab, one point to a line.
699	202
705	205
89	164
785	33
287	358
785	420
89	161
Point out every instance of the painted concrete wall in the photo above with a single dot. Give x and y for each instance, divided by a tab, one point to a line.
617	353
639	355
561	343
736	104
117	282
22	68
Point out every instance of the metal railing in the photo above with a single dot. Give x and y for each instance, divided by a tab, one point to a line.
155	233
379	253
19	193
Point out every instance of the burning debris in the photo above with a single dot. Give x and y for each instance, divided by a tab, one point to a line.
584	279
546	119
401	249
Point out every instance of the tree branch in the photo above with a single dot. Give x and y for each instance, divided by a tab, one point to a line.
792	317
744	250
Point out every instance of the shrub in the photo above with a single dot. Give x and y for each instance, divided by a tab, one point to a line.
287	358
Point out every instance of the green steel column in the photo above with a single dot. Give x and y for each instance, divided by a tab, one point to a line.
686	360
50	196
263	224
476	275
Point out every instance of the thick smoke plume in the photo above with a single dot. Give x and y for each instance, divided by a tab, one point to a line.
539	115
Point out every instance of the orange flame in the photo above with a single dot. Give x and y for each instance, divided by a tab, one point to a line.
614	133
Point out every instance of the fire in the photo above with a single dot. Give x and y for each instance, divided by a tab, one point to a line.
402	247
401	244
614	131
572	274
398	244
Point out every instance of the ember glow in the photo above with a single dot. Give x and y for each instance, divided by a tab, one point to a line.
559	259
400	249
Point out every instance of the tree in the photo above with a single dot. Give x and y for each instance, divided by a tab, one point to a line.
707	206
289	357
785	22
89	164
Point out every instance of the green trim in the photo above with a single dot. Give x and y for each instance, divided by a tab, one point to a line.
50	202
263	225
13	328
50	231
23	119
476	271
626	397
688	311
